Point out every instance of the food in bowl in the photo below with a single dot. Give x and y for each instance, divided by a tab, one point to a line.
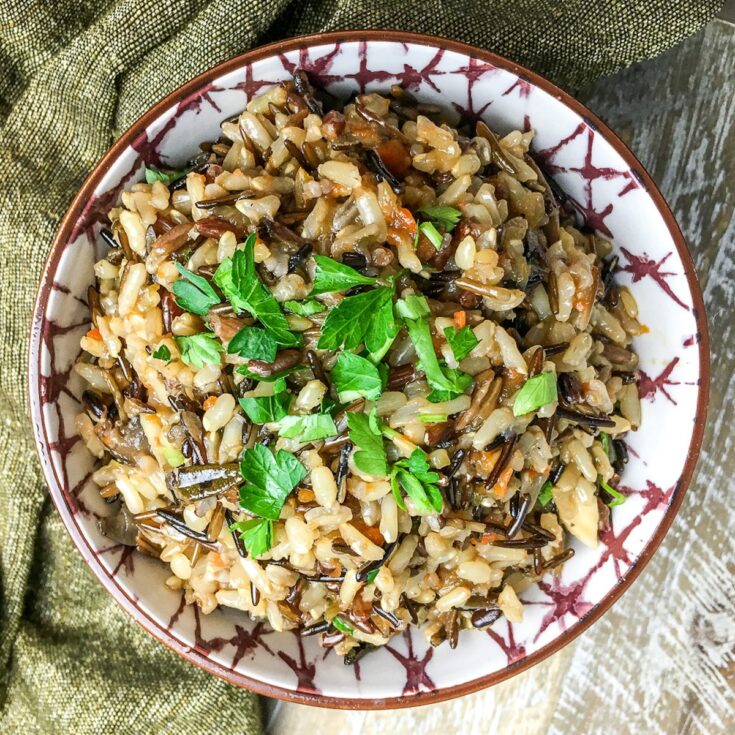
354	369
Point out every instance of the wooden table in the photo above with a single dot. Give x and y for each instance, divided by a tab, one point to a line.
663	659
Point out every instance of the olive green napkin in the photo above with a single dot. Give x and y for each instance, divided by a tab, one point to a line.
73	75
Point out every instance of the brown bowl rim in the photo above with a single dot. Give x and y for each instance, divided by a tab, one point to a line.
61	502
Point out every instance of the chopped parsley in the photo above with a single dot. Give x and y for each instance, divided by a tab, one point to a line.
173	456
167	176
432	418
418	481
462	342
199	350
432	234
254	343
309	428
268	409
256	534
162	353
365	434
546	494
355	377
331	276
342	626
371	575
536	392
414	306
442	215
269	479
238	279
364	318
304	308
617	497
193	292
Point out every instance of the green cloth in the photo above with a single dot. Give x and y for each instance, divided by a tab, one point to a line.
74	74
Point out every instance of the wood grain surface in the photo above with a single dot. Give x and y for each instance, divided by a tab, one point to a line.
662	661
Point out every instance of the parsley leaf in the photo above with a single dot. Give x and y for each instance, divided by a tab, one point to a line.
162	353
238	279
365	318
366	436
340	625
193	292
253	343
535	393
267	409
256	534
309	428
332	276
442	215
199	350
153	174
462	342
446	384
371	575
354	377
304	308
173	456
545	496
418	480
269	479
413	306
618	497
432	234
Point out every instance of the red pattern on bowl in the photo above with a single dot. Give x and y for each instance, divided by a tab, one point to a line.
608	187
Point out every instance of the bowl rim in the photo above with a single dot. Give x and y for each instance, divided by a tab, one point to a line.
58	495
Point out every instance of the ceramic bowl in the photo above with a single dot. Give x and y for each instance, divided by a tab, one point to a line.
608	187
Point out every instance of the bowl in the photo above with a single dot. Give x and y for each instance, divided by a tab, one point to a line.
608	187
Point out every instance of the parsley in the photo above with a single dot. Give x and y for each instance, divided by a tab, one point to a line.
365	318
417	479
432	234
413	306
256	534
442	215
618	497
173	456
199	350
365	434
254	343
193	292
446	384
371	575
462	342
269	479
267	409
354	377
162	353
153	174
332	276
604	440
238	279
304	308
536	392
432	418
307	428
340	625
546	494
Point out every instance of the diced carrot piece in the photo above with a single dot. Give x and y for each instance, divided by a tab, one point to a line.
460	319
371	532
209	402
395	157
305	495
94	333
501	485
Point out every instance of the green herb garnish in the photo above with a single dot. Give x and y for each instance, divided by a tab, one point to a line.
605	441
366	435
304	308
371	575
432	418
442	215
536	392
340	625
162	353
173	456
354	377
254	344
365	318
618	497
267	409
199	350
446	384
238	279
269	479
331	276
418	481
193	292
256	534
462	342
309	428
545	496
414	306
167	176
432	234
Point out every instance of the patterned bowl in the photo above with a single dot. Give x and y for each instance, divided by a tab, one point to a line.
609	188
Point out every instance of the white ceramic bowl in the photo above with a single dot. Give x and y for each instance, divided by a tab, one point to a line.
609	188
